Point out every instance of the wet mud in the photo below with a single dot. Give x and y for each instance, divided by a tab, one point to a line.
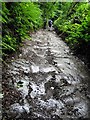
46	82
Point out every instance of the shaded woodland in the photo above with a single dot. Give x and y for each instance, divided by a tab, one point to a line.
71	20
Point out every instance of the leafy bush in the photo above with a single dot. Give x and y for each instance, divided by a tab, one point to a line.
77	25
17	20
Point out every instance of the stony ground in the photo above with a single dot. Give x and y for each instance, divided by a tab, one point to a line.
45	82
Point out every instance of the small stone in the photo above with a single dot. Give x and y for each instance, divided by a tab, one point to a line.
20	55
52	88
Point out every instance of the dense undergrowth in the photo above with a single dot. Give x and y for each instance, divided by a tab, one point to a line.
18	20
70	19
74	24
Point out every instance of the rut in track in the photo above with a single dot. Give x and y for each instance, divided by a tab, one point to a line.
45	82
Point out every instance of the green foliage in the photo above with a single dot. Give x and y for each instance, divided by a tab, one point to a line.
18	19
4	13
75	23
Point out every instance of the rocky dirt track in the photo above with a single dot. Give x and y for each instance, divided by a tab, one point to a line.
45	82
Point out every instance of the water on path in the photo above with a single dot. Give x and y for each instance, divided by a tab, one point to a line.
45	82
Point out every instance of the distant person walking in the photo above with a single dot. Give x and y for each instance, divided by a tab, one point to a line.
50	24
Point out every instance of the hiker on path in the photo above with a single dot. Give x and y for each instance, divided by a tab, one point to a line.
50	24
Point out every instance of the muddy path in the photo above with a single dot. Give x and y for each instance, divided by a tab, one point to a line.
45	82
